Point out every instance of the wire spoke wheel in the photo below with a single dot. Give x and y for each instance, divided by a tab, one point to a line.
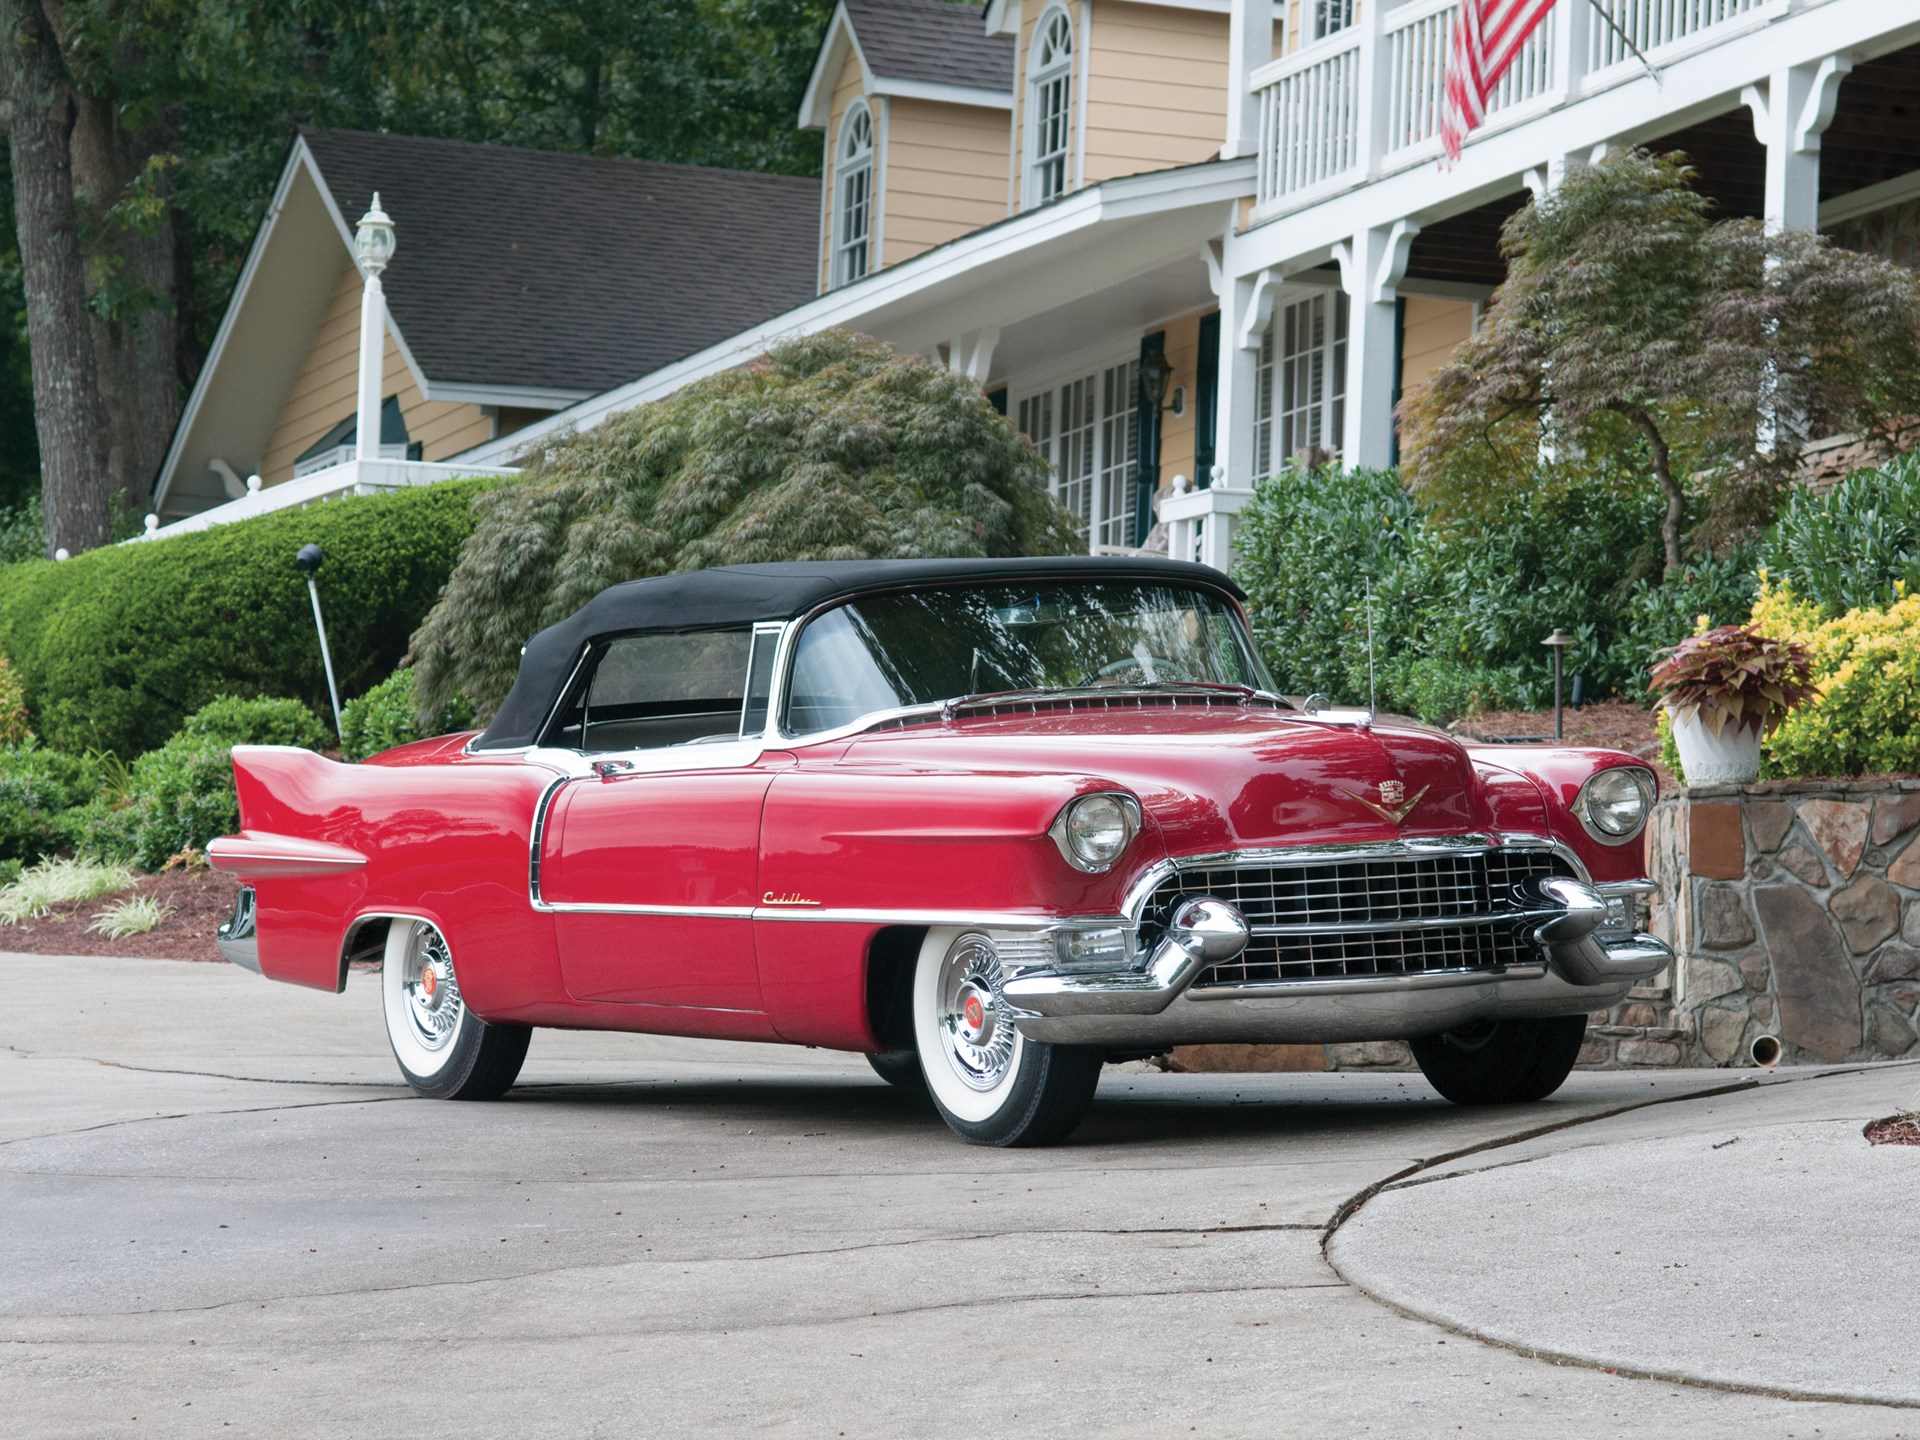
444	1050
992	1085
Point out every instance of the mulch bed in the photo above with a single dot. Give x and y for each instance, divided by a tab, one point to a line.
1616	724
1895	1130
201	900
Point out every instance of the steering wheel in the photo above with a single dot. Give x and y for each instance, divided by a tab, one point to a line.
1161	667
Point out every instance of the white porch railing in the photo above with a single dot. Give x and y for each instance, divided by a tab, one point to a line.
356	477
1201	523
1368	100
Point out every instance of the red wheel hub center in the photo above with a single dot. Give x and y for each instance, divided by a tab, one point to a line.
429	982
976	1012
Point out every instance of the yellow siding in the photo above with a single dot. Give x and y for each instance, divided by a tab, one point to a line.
1432	330
326	391
848	88
1156	89
946	174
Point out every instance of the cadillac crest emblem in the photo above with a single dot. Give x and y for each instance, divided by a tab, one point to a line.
1393	806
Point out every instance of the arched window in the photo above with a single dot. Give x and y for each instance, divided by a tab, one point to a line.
1050	108
853	196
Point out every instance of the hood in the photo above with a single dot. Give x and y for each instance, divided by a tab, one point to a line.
1214	778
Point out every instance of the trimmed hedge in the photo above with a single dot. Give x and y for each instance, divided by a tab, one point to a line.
117	646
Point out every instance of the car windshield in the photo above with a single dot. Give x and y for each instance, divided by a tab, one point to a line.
884	652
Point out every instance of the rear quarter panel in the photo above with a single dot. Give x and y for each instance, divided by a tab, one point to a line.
447	842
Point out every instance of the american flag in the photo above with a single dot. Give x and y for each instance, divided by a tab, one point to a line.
1486	36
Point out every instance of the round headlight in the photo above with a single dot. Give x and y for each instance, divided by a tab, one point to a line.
1616	803
1097	828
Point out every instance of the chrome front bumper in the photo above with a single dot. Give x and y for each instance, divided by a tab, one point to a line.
1583	966
236	937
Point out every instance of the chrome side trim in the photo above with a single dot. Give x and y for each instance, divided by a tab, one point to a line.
696	912
981	919
537	834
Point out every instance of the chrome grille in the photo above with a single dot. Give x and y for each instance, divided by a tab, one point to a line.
1378	915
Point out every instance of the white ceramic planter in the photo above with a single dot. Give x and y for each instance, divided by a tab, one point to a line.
1732	757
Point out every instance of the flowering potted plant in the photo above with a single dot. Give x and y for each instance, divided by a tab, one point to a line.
1724	689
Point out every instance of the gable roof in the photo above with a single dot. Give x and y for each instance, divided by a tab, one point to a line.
529	268
936	41
912	49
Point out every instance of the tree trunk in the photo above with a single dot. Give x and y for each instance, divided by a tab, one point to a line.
68	415
1676	515
135	333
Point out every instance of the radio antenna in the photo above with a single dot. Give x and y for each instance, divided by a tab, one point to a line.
1372	696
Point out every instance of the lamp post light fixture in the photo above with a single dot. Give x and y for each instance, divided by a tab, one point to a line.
307	562
373	246
1557	642
1155	371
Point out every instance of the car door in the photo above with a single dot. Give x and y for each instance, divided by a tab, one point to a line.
649	863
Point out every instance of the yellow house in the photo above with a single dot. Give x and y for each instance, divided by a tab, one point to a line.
1179	242
523	282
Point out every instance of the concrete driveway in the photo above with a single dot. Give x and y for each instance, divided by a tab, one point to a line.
219	1215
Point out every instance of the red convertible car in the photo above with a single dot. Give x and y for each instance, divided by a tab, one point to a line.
990	822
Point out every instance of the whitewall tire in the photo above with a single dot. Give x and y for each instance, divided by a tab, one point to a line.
444	1050
992	1085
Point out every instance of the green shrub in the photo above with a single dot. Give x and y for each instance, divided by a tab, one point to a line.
117	646
14	729
232	720
39	788
1845	549
1460	608
1866	719
181	795
389	715
830	447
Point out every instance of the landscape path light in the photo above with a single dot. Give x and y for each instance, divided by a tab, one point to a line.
307	562
1557	642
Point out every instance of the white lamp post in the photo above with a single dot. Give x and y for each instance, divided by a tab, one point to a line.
373	248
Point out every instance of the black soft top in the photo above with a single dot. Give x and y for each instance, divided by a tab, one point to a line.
736	595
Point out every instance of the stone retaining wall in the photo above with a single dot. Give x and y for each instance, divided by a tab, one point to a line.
1794	910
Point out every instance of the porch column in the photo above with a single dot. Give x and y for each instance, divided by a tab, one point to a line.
1791	111
1245	302
1249	46
1372	265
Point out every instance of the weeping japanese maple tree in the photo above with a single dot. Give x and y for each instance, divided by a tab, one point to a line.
1635	335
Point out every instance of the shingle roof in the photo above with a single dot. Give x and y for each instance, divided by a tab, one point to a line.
933	41
527	268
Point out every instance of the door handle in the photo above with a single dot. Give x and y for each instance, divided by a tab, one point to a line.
607	769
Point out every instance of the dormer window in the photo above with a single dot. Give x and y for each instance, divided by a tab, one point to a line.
853	196
1050	108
